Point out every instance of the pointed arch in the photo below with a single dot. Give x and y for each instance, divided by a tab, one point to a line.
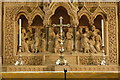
86	12
37	11
100	11
21	11
70	10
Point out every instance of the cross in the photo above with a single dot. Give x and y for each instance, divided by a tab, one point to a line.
61	25
61	31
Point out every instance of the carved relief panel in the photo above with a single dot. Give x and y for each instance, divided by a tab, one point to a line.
88	33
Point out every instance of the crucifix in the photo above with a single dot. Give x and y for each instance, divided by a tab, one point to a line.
61	25
61	61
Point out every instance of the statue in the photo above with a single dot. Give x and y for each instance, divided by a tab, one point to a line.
85	41
25	46
30	40
57	43
95	33
98	43
43	43
92	45
51	40
77	40
69	40
37	40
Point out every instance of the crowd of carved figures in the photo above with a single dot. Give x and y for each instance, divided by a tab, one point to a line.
33	40
88	40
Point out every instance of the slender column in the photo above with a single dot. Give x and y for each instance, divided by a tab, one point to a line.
47	37
119	31
1	39
74	38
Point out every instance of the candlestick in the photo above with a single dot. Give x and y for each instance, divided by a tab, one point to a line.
102	32
20	44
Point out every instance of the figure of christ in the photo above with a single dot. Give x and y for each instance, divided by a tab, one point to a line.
51	42
69	40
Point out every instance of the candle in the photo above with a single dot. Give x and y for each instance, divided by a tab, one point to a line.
20	32
102	32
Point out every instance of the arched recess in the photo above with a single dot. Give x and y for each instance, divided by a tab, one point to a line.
84	21
37	21
60	11
86	12
24	25
21	11
100	11
71	12
37	11
98	17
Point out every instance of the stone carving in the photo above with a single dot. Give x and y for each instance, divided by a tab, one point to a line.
25	47
57	43
78	41
92	45
51	47
43	43
33	42
69	40
88	40
9	36
96	35
85	41
37	40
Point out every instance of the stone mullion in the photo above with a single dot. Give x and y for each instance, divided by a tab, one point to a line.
47	37
74	38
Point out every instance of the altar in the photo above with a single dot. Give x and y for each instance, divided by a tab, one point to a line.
41	39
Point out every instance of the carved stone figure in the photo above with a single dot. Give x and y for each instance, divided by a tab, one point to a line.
57	43
25	46
69	40
95	33
98	43
51	40
37	40
43	43
92	45
85	41
30	40
77	41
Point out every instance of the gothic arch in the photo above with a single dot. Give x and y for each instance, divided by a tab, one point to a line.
101	14
86	12
100	11
37	11
21	11
72	12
